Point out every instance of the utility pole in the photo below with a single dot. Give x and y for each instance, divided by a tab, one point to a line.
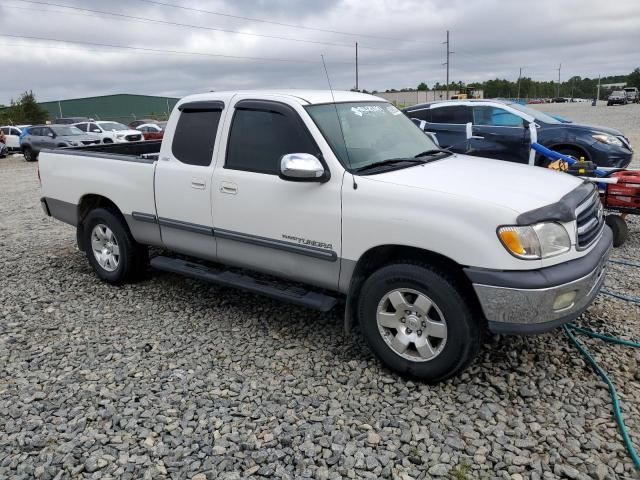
519	76
559	70
357	66
598	94
449	52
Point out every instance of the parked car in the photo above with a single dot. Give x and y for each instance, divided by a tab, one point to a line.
500	131
618	97
110	132
341	192
41	137
136	123
12	137
559	100
152	131
633	95
70	120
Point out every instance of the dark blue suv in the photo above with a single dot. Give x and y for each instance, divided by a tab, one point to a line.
501	131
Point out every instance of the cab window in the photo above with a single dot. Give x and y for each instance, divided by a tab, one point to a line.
259	139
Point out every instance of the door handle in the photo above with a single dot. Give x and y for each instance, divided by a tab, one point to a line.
198	183
476	137
228	187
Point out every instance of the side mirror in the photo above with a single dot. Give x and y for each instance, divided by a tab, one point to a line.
51	134
302	167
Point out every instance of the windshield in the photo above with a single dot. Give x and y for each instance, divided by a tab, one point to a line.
373	131
618	93
66	130
543	117
112	126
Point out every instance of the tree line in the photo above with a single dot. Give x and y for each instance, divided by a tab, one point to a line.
574	87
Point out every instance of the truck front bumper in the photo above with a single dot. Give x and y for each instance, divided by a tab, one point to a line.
535	301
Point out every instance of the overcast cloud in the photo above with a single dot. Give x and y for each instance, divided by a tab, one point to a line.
400	44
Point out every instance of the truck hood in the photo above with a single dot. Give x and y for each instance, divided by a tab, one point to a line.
519	187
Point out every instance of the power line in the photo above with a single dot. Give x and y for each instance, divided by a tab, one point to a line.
186	25
158	50
261	20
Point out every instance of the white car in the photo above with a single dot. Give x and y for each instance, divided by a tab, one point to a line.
110	132
342	192
12	135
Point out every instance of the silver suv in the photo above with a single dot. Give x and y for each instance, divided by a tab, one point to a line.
53	136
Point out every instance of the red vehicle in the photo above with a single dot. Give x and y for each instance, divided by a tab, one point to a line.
152	131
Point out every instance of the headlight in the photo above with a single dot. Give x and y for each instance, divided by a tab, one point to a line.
542	240
120	135
606	138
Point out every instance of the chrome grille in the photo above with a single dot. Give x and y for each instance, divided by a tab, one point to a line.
133	138
589	220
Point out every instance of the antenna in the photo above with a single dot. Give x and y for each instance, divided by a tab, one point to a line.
333	99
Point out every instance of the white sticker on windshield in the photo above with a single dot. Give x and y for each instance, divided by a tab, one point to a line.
367	110
393	110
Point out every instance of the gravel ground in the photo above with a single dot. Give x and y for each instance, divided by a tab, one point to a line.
625	118
170	378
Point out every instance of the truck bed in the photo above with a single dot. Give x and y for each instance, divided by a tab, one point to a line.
145	151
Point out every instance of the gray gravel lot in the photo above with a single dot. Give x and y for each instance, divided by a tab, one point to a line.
170	378
625	118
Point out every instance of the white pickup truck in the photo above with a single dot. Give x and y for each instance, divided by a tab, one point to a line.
342	193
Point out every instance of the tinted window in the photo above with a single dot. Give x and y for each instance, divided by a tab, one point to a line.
94	128
195	136
424	114
260	138
455	114
5	130
14	131
82	126
495	117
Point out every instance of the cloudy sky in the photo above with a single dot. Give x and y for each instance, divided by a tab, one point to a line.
400	43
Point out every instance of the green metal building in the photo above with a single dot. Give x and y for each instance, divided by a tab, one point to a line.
120	107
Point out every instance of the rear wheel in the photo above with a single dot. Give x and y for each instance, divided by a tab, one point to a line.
418	322
111	250
619	228
29	154
107	140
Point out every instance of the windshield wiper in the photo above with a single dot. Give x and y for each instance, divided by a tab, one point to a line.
389	161
434	151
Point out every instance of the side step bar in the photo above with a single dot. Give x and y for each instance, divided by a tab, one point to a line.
286	293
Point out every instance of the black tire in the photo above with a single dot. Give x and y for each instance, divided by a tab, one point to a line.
30	155
132	258
572	152
609	104
463	329
107	140
619	227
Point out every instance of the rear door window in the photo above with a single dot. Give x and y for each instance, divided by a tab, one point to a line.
422	114
454	114
195	136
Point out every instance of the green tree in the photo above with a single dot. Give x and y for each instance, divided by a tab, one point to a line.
423	87
633	80
25	110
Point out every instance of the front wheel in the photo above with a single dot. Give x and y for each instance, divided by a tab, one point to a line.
619	227
418	322
111	250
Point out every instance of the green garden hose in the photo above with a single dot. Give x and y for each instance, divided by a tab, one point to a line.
569	330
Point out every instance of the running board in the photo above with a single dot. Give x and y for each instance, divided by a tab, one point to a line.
226	278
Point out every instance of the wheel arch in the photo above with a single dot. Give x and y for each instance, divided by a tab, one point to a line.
381	255
572	146
90	202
